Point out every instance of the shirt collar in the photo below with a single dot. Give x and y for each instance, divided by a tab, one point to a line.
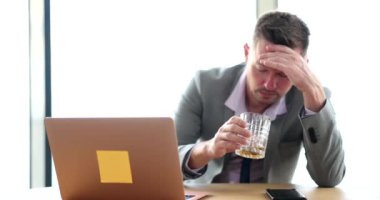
236	101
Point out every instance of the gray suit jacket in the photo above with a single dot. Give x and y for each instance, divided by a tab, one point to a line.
201	113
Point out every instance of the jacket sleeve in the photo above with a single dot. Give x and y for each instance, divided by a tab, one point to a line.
187	122
323	147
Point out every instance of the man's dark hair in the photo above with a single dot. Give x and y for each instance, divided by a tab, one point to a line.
283	28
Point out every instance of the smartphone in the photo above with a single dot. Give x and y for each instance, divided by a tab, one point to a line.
285	194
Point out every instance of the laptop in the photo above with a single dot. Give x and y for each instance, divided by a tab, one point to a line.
116	158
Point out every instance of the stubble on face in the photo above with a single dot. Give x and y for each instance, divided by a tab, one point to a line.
260	98
269	96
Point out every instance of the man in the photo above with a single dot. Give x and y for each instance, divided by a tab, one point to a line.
275	80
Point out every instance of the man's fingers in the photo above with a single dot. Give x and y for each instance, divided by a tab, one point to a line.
236	125
236	138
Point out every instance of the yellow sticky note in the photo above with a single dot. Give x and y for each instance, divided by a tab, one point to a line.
114	166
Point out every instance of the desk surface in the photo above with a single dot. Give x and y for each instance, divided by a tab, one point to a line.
257	191
243	191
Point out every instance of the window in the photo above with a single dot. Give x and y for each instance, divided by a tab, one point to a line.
135	58
14	101
130	58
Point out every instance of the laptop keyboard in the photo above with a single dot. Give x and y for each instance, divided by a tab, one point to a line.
188	196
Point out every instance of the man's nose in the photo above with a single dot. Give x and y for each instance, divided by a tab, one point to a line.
270	82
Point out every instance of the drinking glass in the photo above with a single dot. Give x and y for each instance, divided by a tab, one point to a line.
258	125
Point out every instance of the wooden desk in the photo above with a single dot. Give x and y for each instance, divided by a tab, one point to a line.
257	191
242	192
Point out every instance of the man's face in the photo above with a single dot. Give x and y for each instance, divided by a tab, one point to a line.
265	86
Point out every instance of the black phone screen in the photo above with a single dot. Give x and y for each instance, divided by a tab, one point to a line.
285	194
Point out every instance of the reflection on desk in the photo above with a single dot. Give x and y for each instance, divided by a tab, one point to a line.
243	191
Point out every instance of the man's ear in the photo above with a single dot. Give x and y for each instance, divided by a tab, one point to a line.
246	51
